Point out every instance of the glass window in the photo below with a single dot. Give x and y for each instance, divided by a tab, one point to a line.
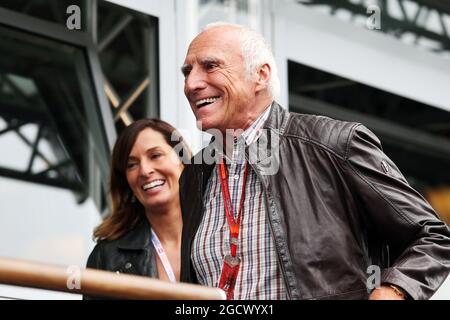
413	134
128	46
47	109
54	154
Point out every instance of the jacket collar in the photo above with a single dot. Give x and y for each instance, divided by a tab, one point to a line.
136	239
278	118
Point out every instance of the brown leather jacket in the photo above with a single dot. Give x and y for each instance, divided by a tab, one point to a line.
336	206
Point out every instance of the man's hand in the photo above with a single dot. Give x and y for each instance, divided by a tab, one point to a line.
385	292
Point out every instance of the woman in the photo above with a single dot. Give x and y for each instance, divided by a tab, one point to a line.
146	212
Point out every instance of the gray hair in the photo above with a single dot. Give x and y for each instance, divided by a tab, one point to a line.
255	52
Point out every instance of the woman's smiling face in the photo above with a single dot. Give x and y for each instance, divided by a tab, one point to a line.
153	170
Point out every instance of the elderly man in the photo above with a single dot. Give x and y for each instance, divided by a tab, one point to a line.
335	210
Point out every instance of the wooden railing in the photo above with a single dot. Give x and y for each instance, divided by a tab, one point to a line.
99	283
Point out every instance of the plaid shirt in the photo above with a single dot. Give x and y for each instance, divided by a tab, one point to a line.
260	275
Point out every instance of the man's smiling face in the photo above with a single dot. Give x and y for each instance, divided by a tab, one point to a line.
217	86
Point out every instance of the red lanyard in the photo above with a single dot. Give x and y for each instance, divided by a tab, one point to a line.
233	224
231	262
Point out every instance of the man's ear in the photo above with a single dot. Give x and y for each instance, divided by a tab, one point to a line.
263	77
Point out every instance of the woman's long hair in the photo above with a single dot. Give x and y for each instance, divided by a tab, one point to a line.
126	212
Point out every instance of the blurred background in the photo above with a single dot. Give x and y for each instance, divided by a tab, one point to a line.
74	73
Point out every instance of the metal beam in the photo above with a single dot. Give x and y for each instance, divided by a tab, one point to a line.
152	67
28	143
403	10
111	93
92	20
389	23
132	97
106	115
419	140
96	121
326	85
59	183
114	32
19	92
441	6
35	149
13	125
23	113
56	167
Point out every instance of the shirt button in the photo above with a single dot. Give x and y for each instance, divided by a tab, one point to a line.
236	177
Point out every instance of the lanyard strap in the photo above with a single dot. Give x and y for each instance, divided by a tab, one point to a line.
162	255
233	224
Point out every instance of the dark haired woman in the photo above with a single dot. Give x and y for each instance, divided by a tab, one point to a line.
142	236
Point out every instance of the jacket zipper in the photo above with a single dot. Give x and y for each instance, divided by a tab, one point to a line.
201	211
266	199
